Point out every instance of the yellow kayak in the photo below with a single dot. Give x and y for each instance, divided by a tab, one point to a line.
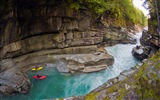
38	68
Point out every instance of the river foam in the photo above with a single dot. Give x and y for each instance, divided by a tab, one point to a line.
60	85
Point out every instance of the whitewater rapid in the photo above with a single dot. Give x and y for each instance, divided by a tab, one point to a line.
60	85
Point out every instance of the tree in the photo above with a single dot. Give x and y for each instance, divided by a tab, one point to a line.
154	7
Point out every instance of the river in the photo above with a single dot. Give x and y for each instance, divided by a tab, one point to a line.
60	85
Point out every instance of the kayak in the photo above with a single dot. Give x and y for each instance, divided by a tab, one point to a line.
36	69
42	77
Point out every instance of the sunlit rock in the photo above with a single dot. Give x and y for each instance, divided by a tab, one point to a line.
14	80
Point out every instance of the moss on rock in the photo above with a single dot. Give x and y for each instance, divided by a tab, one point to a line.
143	84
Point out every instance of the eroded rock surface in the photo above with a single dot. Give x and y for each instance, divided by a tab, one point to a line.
47	32
94	61
86	62
14	80
141	52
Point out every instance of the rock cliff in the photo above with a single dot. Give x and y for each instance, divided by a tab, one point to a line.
45	29
39	28
40	25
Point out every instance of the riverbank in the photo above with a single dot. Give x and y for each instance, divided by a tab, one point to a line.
139	82
59	85
80	50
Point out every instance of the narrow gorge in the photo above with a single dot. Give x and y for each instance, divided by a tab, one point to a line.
81	45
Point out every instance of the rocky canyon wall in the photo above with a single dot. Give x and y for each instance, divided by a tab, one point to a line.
37	25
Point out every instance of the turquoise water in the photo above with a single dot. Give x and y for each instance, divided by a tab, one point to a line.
58	85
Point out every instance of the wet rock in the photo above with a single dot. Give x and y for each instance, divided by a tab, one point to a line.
61	66
115	80
127	72
14	80
75	98
141	52
86	62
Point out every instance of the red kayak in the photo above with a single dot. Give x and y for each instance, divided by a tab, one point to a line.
41	77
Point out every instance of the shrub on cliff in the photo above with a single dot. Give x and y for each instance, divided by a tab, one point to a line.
122	11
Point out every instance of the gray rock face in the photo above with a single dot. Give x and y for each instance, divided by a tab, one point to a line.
86	62
141	52
114	35
52	34
55	29
14	80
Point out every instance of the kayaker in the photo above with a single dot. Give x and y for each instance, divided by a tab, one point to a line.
38	76
36	67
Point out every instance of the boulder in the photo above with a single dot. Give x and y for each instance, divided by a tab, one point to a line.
141	52
13	80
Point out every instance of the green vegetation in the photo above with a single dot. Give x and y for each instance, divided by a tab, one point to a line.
147	81
92	96
122	11
153	23
144	83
